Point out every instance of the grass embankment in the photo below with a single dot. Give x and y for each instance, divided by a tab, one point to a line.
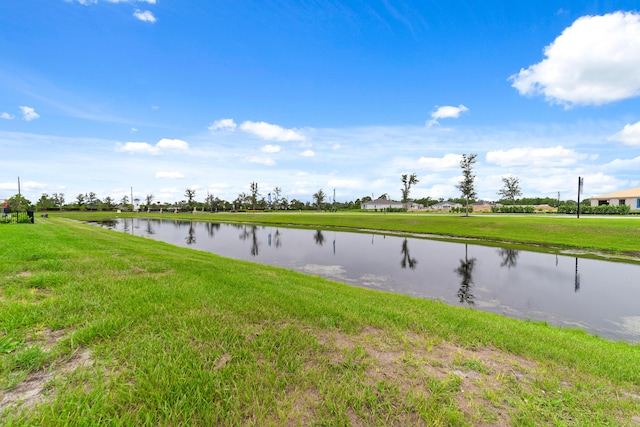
617	235
98	327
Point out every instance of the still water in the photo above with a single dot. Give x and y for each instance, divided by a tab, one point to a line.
599	296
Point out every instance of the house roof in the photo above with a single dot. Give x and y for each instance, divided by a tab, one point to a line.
381	202
624	194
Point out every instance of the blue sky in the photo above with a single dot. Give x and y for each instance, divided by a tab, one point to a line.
165	95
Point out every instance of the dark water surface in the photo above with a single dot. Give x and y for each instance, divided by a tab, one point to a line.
599	296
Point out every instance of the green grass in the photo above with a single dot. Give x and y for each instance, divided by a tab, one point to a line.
173	336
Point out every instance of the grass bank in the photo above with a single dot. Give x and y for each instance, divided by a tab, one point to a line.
616	235
103	328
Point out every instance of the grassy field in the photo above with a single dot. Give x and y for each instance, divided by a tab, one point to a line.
103	328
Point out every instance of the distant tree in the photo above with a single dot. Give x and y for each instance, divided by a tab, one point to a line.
149	200
254	193
277	197
296	204
45	202
241	200
384	196
190	195
466	186
511	188
319	198
19	203
58	200
124	201
108	203
210	201
407	182
80	201
91	200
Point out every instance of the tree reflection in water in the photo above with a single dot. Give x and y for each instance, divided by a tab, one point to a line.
191	236
277	242
251	232
318	237
509	257
406	257
212	227
150	230
465	270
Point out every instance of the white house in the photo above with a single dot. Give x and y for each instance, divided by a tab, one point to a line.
630	197
445	206
381	204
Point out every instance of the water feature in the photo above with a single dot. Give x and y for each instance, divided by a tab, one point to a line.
601	297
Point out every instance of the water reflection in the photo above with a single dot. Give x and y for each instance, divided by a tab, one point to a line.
576	282
211	227
251	232
509	257
407	261
191	236
465	271
599	296
318	237
277	239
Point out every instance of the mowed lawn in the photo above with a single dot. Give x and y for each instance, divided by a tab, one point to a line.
102	328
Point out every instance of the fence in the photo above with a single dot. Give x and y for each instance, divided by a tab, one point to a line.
16	217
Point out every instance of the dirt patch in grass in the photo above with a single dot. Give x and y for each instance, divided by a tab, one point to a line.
34	388
488	386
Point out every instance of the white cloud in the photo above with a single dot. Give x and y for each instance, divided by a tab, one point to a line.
527	156
137	147
144	15
593	62
7	116
28	113
308	153
146	148
169	175
623	164
629	135
449	161
270	148
271	132
223	124
267	161
173	144
446	112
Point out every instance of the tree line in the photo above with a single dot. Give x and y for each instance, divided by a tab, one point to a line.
274	199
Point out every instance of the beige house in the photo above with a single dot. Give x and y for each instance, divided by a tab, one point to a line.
384	204
629	197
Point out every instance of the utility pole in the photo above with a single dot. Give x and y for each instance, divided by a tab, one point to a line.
580	184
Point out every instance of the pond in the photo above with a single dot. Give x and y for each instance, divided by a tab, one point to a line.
601	297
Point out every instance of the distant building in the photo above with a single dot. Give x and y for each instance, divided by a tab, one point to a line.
630	197
381	204
445	206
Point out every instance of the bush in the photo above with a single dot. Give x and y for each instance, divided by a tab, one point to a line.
513	209
462	210
596	210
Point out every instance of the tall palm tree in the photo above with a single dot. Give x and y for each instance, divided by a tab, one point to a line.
319	198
